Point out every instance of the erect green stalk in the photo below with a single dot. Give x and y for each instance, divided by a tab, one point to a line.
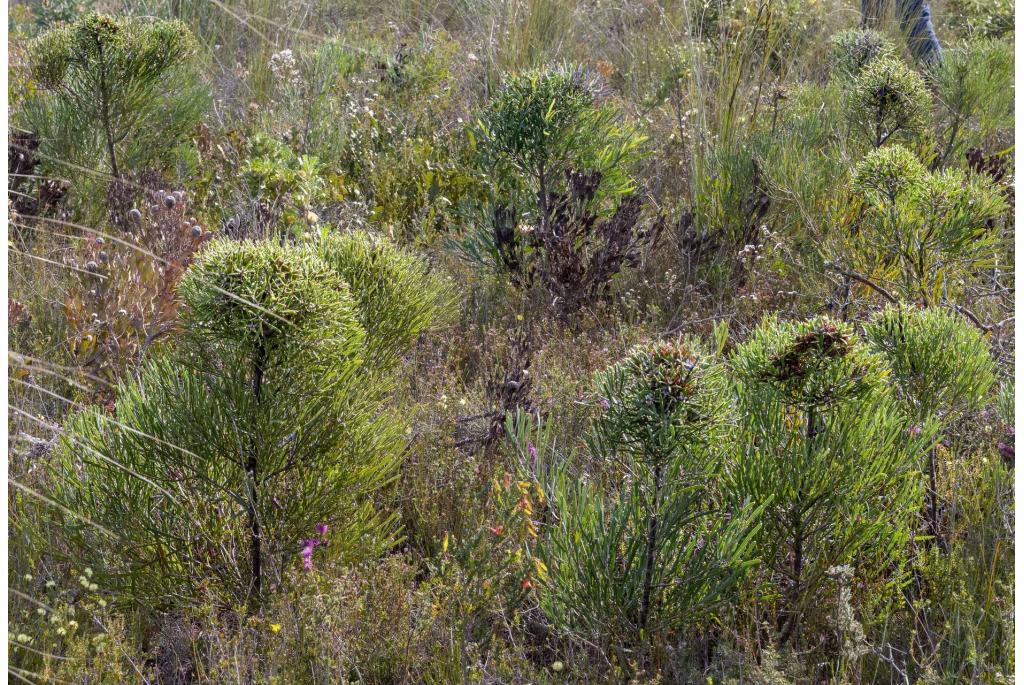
797	566
105	112
251	472
933	503
652	538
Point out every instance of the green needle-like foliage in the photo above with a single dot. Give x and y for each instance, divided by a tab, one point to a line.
889	101
925	232
940	362
398	296
661	553
974	86
544	123
563	209
826	452
852	50
123	86
231	448
940	366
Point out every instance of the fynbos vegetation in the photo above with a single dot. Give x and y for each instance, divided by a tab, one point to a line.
535	342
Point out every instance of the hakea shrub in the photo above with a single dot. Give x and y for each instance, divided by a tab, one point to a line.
940	362
852	50
123	89
925	233
661	551
940	367
889	102
397	294
828	453
564	211
266	421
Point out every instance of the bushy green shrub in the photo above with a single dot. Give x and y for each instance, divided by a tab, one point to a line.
925	232
398	297
563	209
889	101
123	88
940	366
974	87
545	123
660	552
852	50
231	450
940	362
826	451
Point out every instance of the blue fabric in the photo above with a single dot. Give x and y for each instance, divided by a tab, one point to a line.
915	18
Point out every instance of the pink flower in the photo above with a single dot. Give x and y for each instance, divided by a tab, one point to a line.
321	529
532	450
914	431
307	553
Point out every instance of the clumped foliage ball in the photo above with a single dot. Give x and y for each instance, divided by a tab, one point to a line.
889	102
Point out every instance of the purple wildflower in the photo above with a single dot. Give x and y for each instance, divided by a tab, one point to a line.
1006	451
321	529
307	553
914	431
307	556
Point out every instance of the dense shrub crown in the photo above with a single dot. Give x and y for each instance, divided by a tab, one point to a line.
123	85
545	123
939	360
398	297
261	296
939	225
887	173
661	398
889	101
854	49
809	364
